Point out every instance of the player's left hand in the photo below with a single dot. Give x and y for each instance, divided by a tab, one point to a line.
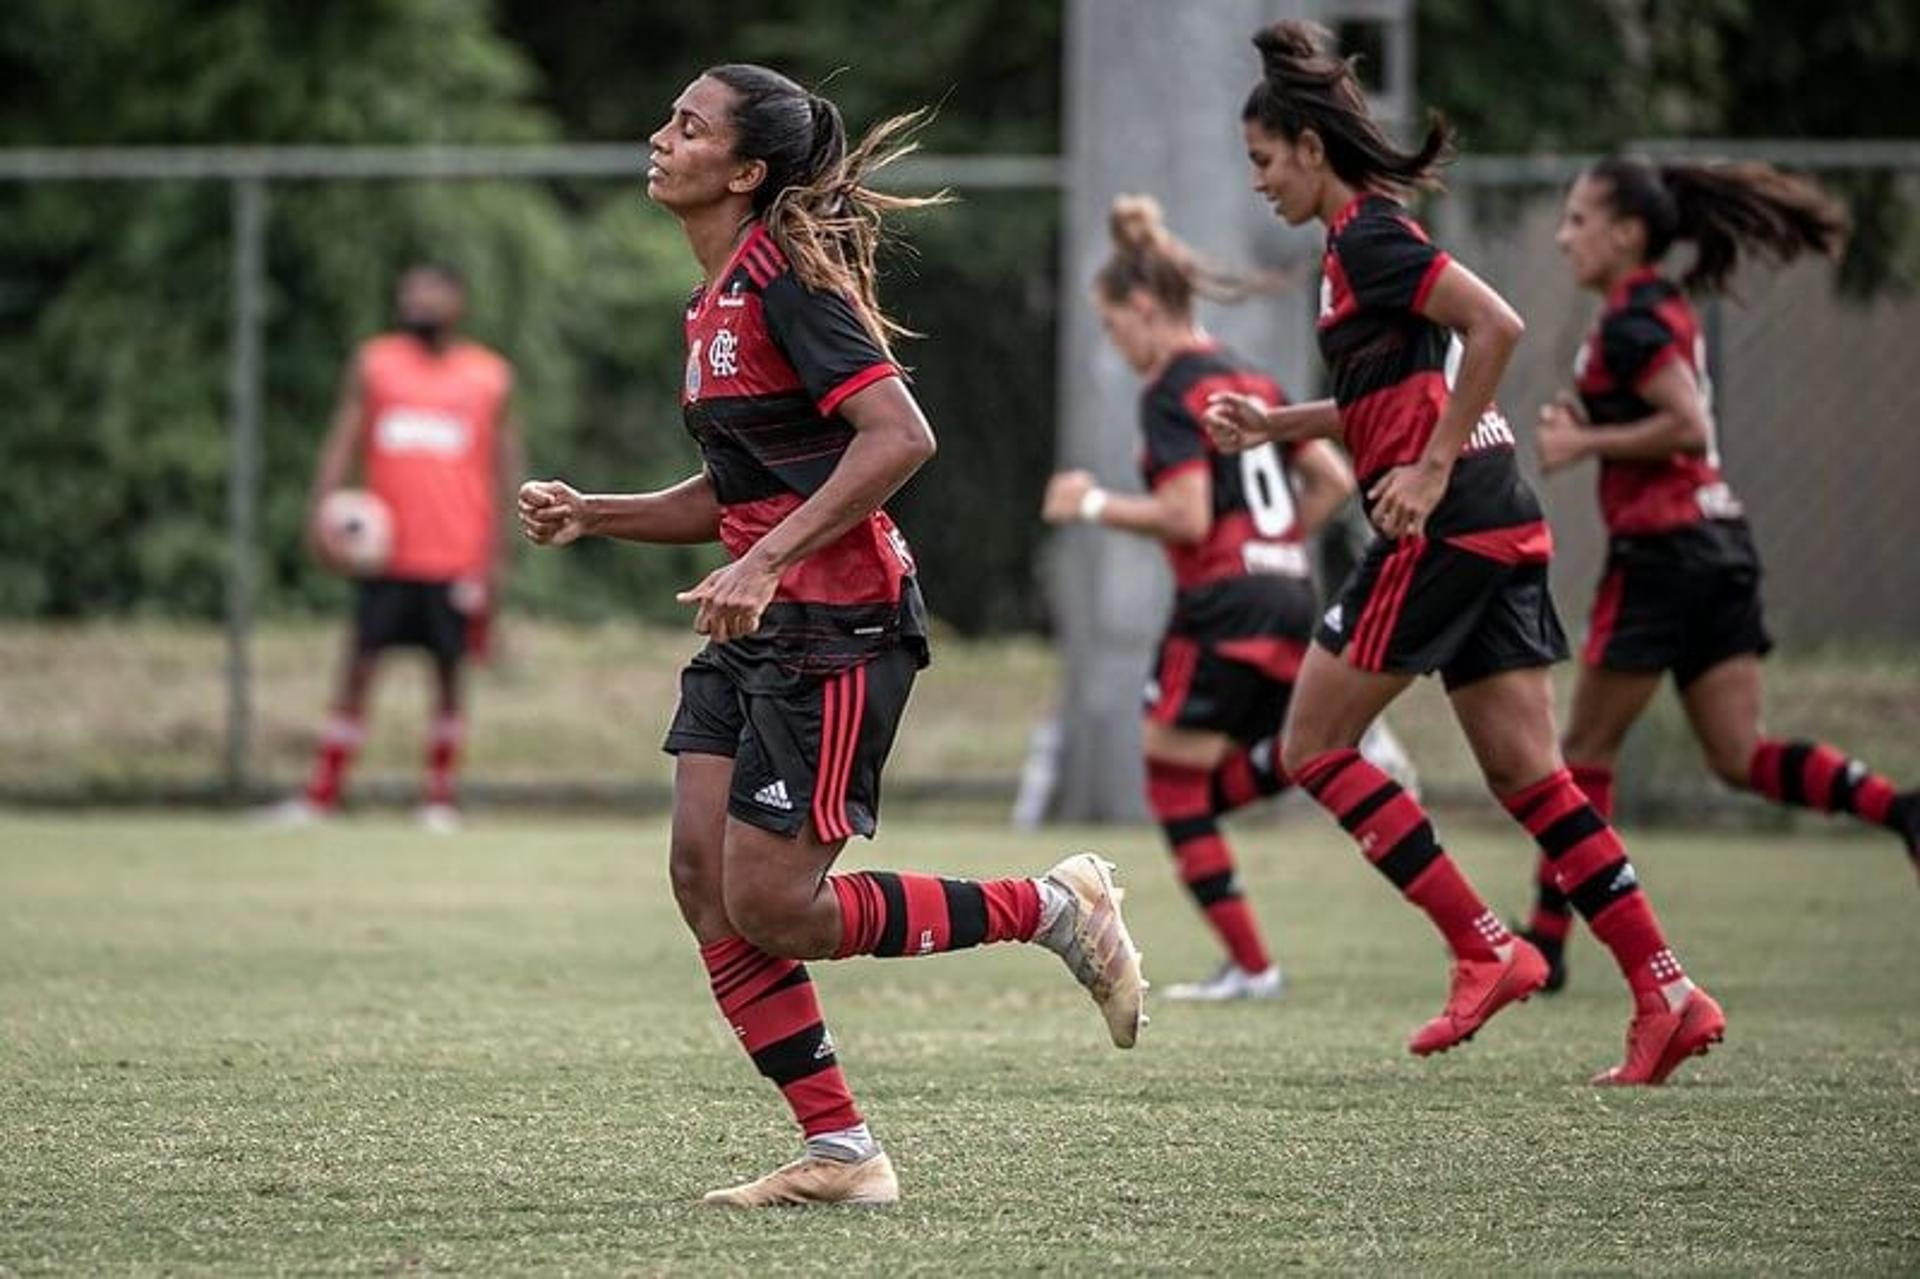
1559	438
1404	497
731	599
1065	491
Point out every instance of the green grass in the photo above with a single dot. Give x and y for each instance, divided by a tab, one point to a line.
364	1050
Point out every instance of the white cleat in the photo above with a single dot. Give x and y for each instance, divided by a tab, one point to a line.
438	819
1231	982
1092	939
297	813
807	1182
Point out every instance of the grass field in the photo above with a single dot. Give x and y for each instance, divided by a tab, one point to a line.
364	1050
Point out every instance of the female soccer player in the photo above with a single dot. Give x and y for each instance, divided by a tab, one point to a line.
1681	587
816	627
1457	580
1233	528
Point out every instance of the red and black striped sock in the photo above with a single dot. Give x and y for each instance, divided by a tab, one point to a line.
891	914
1552	916
339	742
1395	835
771	1006
1815	775
1182	803
1251	773
1590	867
443	757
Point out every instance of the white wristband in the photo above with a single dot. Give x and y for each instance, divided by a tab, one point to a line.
1092	502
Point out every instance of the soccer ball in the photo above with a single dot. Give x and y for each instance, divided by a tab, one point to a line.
356	531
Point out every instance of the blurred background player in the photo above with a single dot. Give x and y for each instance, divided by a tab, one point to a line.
424	415
1456	583
1681	588
1234	529
816	628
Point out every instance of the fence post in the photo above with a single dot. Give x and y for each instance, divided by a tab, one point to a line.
243	467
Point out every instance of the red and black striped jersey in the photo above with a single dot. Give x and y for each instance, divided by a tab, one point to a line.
1254	529
1392	370
1646	324
769	363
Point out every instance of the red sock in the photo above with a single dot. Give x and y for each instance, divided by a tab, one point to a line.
1251	773
443	757
1182	803
339	741
1395	835
1596	782
1552	917
891	914
1814	775
774	1013
1590	867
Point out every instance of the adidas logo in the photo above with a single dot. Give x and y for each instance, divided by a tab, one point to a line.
826	1046
1333	620
774	795
1624	880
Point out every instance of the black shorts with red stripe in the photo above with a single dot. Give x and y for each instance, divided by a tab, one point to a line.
1414	606
1681	601
1230	655
803	748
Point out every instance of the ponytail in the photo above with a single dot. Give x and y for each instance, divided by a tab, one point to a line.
1147	255
1724	210
1303	85
815	202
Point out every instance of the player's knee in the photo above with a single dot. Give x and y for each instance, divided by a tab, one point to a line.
768	918
1300	747
1729	762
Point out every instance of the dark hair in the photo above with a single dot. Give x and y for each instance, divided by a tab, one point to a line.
814	201
1304	85
1146	255
1723	210
438	267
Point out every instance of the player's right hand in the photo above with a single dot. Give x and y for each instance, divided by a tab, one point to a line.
552	512
1235	422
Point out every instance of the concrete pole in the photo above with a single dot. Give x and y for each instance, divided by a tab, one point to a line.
244	377
1153	96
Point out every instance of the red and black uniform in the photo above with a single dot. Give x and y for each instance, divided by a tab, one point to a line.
1244	602
808	704
1468	597
1681	590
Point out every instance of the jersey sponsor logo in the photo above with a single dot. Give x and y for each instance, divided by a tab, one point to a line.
898	542
693	370
723	354
774	795
1491	431
432	432
1717	501
1286	559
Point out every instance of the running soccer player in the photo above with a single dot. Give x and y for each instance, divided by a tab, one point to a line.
1233	529
1680	592
424	413
816	628
1457	580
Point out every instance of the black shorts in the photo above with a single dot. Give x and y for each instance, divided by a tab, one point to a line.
1683	601
1221	687
1415	606
806	748
390	612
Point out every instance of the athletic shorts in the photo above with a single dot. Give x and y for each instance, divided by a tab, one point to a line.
391	612
1415	606
1223	686
1683	601
813	749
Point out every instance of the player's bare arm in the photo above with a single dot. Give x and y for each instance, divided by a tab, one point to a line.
1322	483
1489	330
1180	510
1237	422
337	454
554	513
891	441
1678	425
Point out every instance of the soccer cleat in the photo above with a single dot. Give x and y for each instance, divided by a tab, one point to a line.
1660	1038
1231	982
297	813
1481	988
1554	951
1095	945
807	1182
438	819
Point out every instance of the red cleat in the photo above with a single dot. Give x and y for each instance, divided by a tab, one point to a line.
1481	988
1659	1039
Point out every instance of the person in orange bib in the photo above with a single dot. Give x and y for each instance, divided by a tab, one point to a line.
424	414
